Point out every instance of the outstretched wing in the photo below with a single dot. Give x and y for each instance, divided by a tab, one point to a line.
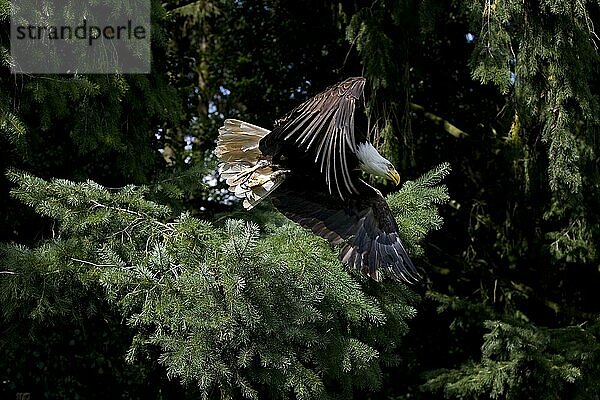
324	127
363	224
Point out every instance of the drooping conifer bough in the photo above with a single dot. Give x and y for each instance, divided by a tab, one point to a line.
310	165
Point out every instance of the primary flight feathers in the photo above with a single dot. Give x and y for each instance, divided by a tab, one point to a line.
310	164
323	126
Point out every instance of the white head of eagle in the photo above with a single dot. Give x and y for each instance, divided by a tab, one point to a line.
309	165
374	163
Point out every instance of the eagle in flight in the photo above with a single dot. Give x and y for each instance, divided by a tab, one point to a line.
310	166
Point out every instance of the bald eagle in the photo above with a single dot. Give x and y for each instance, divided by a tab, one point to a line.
310	165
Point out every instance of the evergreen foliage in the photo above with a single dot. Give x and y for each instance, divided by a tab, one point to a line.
102	121
534	232
232	310
545	55
525	362
505	91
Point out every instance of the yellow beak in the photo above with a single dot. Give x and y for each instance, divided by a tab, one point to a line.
394	175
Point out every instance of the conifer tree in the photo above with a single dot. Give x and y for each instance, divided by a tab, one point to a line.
231	309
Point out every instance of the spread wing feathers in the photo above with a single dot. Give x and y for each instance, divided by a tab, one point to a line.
324	126
248	173
364	226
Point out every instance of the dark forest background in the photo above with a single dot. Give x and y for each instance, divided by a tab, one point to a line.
119	271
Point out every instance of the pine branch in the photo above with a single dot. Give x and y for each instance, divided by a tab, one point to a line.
229	307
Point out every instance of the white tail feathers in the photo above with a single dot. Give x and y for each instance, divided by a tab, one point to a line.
238	141
250	176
